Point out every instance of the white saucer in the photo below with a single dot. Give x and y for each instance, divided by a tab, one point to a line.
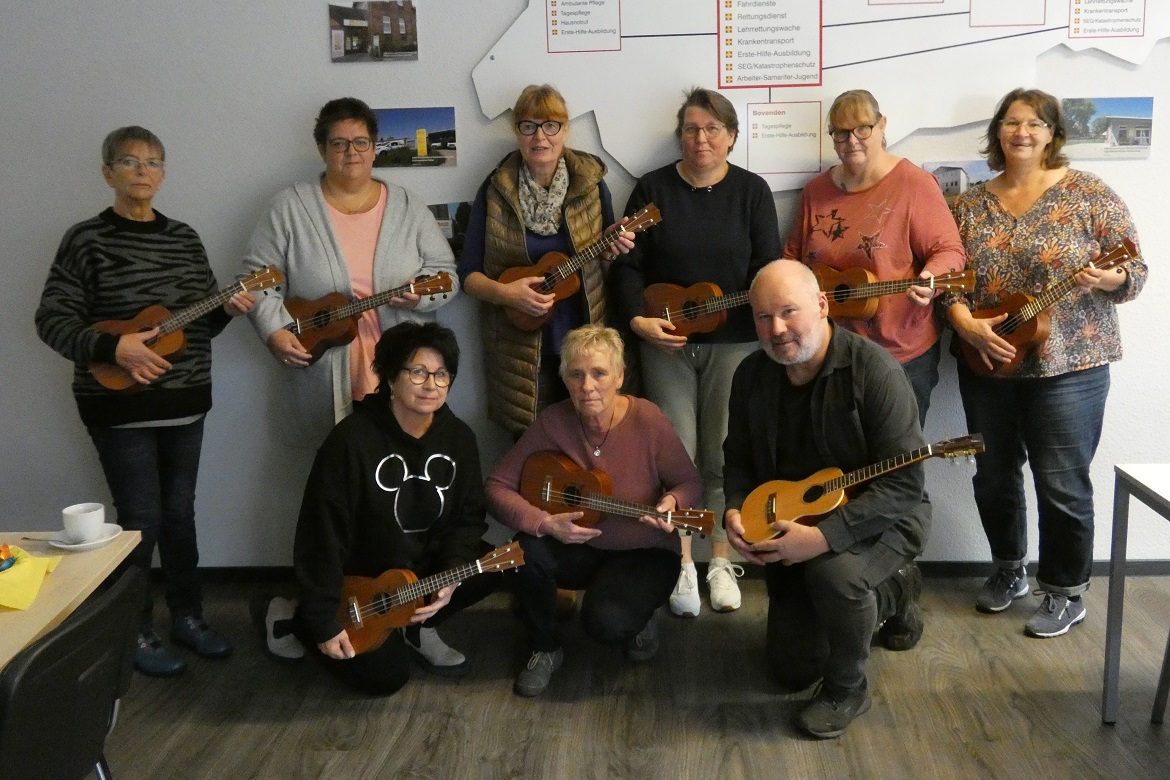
109	531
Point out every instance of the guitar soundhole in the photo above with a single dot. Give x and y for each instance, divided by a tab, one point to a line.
572	496
321	315
814	494
840	293
691	310
381	603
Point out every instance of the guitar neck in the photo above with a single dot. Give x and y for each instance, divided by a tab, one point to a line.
876	289
1056	292
578	261
182	319
355	308
616	506
883	467
433	583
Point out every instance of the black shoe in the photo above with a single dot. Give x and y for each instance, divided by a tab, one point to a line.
154	659
828	714
193	633
903	630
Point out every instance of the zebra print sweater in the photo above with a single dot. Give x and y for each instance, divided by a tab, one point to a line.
111	268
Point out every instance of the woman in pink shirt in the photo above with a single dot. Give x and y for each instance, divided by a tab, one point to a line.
880	212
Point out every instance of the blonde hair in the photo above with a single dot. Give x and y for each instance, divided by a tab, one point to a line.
854	104
540	101
592	338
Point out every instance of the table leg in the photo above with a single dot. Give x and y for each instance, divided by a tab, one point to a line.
1111	696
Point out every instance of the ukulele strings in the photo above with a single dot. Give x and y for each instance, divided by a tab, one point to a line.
708	306
1053	294
320	319
384	601
614	506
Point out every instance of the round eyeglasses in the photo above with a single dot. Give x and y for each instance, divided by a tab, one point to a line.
418	376
341	145
548	127
861	132
133	164
1033	126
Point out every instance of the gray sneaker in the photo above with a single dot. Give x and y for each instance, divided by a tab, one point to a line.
1056	615
644	646
1001	589
534	677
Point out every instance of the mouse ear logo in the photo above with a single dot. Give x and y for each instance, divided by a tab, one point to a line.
419	499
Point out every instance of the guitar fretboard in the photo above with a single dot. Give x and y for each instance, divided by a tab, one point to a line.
185	317
876	470
718	303
616	506
874	289
424	587
352	309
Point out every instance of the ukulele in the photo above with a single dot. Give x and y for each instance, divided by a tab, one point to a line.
170	341
560	272
556	484
371	608
1028	322
808	501
853	292
700	308
331	320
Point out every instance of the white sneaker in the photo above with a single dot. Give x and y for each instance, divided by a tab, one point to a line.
433	654
684	602
278	637
721	576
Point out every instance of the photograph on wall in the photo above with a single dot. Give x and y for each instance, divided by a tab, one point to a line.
376	31
452	219
1112	128
415	137
956	177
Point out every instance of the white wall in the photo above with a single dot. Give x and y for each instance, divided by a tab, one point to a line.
232	90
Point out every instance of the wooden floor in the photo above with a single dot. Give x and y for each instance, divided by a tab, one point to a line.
975	699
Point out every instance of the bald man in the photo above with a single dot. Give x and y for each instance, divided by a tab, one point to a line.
817	396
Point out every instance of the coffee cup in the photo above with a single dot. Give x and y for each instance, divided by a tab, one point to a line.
83	522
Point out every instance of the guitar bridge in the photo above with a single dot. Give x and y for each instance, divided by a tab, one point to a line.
770	508
546	493
355	614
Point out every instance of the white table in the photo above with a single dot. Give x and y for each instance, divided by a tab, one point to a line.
76	576
1150	484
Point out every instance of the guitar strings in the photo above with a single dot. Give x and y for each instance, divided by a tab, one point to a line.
405	594
617	506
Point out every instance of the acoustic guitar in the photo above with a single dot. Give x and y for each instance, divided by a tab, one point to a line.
170	341
556	484
332	320
1027	325
809	500
559	271
700	308
853	292
371	608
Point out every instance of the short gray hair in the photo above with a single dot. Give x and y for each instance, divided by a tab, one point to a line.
116	141
592	338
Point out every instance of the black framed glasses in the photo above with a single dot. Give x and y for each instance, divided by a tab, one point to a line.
418	376
861	132
341	145
549	127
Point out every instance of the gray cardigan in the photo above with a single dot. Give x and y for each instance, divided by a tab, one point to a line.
297	237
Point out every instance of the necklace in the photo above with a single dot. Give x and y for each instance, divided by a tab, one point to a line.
585	434
337	198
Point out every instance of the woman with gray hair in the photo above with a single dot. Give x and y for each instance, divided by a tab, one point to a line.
719	227
626	567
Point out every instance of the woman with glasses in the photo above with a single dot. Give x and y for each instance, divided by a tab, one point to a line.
881	213
718	226
542	198
112	267
396	485
344	231
1039	224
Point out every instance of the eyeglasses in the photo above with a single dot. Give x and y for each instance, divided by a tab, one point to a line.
549	127
1033	126
418	376
710	131
861	132
133	164
341	145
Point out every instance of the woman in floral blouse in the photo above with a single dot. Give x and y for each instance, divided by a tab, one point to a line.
1036	224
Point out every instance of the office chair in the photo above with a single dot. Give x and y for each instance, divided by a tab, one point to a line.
58	695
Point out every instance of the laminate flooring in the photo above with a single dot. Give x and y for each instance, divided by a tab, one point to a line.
975	699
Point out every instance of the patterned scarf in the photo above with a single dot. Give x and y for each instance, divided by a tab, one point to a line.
541	208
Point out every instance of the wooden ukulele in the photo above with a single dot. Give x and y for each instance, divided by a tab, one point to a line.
331	320
808	501
556	484
560	272
170	340
371	608
700	308
1028	323
853	292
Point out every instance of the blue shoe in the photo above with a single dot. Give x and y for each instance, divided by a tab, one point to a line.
154	659
193	633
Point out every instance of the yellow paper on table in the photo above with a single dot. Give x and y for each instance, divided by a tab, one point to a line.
20	583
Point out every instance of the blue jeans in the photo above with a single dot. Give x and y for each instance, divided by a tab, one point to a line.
1055	424
922	372
152	473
